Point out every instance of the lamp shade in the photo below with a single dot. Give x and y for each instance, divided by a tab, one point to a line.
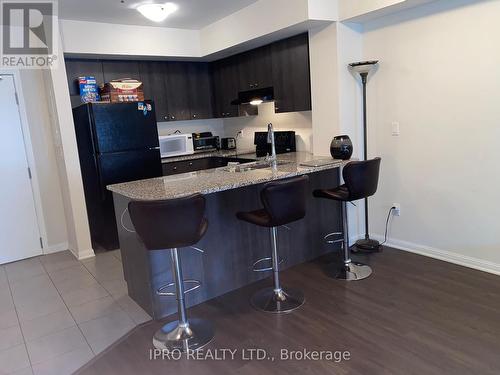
363	67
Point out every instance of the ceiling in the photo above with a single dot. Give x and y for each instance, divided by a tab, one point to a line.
192	14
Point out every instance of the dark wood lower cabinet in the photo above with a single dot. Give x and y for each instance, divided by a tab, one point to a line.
172	168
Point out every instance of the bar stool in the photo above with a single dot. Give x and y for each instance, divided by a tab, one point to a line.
284	202
173	224
361	180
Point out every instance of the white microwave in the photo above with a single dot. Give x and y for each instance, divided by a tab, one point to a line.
176	145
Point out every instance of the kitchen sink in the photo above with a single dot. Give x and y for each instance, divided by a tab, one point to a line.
250	166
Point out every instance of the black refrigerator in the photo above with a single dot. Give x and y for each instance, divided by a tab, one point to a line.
116	143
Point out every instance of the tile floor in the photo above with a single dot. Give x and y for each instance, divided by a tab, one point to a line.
57	313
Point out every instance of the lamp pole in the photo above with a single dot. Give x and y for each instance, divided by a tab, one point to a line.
363	68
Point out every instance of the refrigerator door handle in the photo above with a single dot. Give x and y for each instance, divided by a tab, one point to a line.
102	187
96	155
155	148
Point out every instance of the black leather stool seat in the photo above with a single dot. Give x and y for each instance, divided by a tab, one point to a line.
361	181
172	223
340	193
284	202
257	217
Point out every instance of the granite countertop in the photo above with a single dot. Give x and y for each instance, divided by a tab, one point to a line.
219	179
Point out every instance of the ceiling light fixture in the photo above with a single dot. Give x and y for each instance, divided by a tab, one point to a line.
157	12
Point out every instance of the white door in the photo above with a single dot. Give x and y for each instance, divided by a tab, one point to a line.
19	232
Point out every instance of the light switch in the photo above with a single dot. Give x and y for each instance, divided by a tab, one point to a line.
395	128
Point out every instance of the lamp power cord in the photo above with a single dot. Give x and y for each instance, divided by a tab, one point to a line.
387	224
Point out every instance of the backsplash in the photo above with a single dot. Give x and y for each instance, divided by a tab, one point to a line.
216	126
300	122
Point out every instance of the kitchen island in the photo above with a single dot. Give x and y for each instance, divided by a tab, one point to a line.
230	246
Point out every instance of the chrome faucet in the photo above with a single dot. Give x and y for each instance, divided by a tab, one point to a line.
270	139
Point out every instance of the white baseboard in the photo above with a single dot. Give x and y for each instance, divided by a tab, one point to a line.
447	256
55	248
85	254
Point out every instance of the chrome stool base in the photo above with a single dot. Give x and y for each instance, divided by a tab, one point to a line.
354	271
285	301
176	336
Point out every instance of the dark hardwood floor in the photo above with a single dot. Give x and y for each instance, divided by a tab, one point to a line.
414	315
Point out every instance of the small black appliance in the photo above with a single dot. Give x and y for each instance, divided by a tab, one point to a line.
284	142
228	143
205	142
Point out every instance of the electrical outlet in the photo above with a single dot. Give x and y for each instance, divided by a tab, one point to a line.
395	128
397	209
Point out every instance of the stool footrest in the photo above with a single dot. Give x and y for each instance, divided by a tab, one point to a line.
266	268
334	234
162	290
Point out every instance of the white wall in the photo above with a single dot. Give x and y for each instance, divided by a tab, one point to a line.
363	10
439	78
68	163
80	37
254	21
324	87
216	126
300	122
260	23
40	127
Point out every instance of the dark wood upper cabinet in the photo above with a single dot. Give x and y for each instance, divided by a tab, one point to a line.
78	68
176	81
255	69
199	90
291	74
117	69
152	75
226	82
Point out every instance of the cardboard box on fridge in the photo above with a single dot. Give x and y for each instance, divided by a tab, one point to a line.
89	91
122	90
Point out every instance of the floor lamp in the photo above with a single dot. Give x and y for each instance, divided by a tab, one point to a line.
363	68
